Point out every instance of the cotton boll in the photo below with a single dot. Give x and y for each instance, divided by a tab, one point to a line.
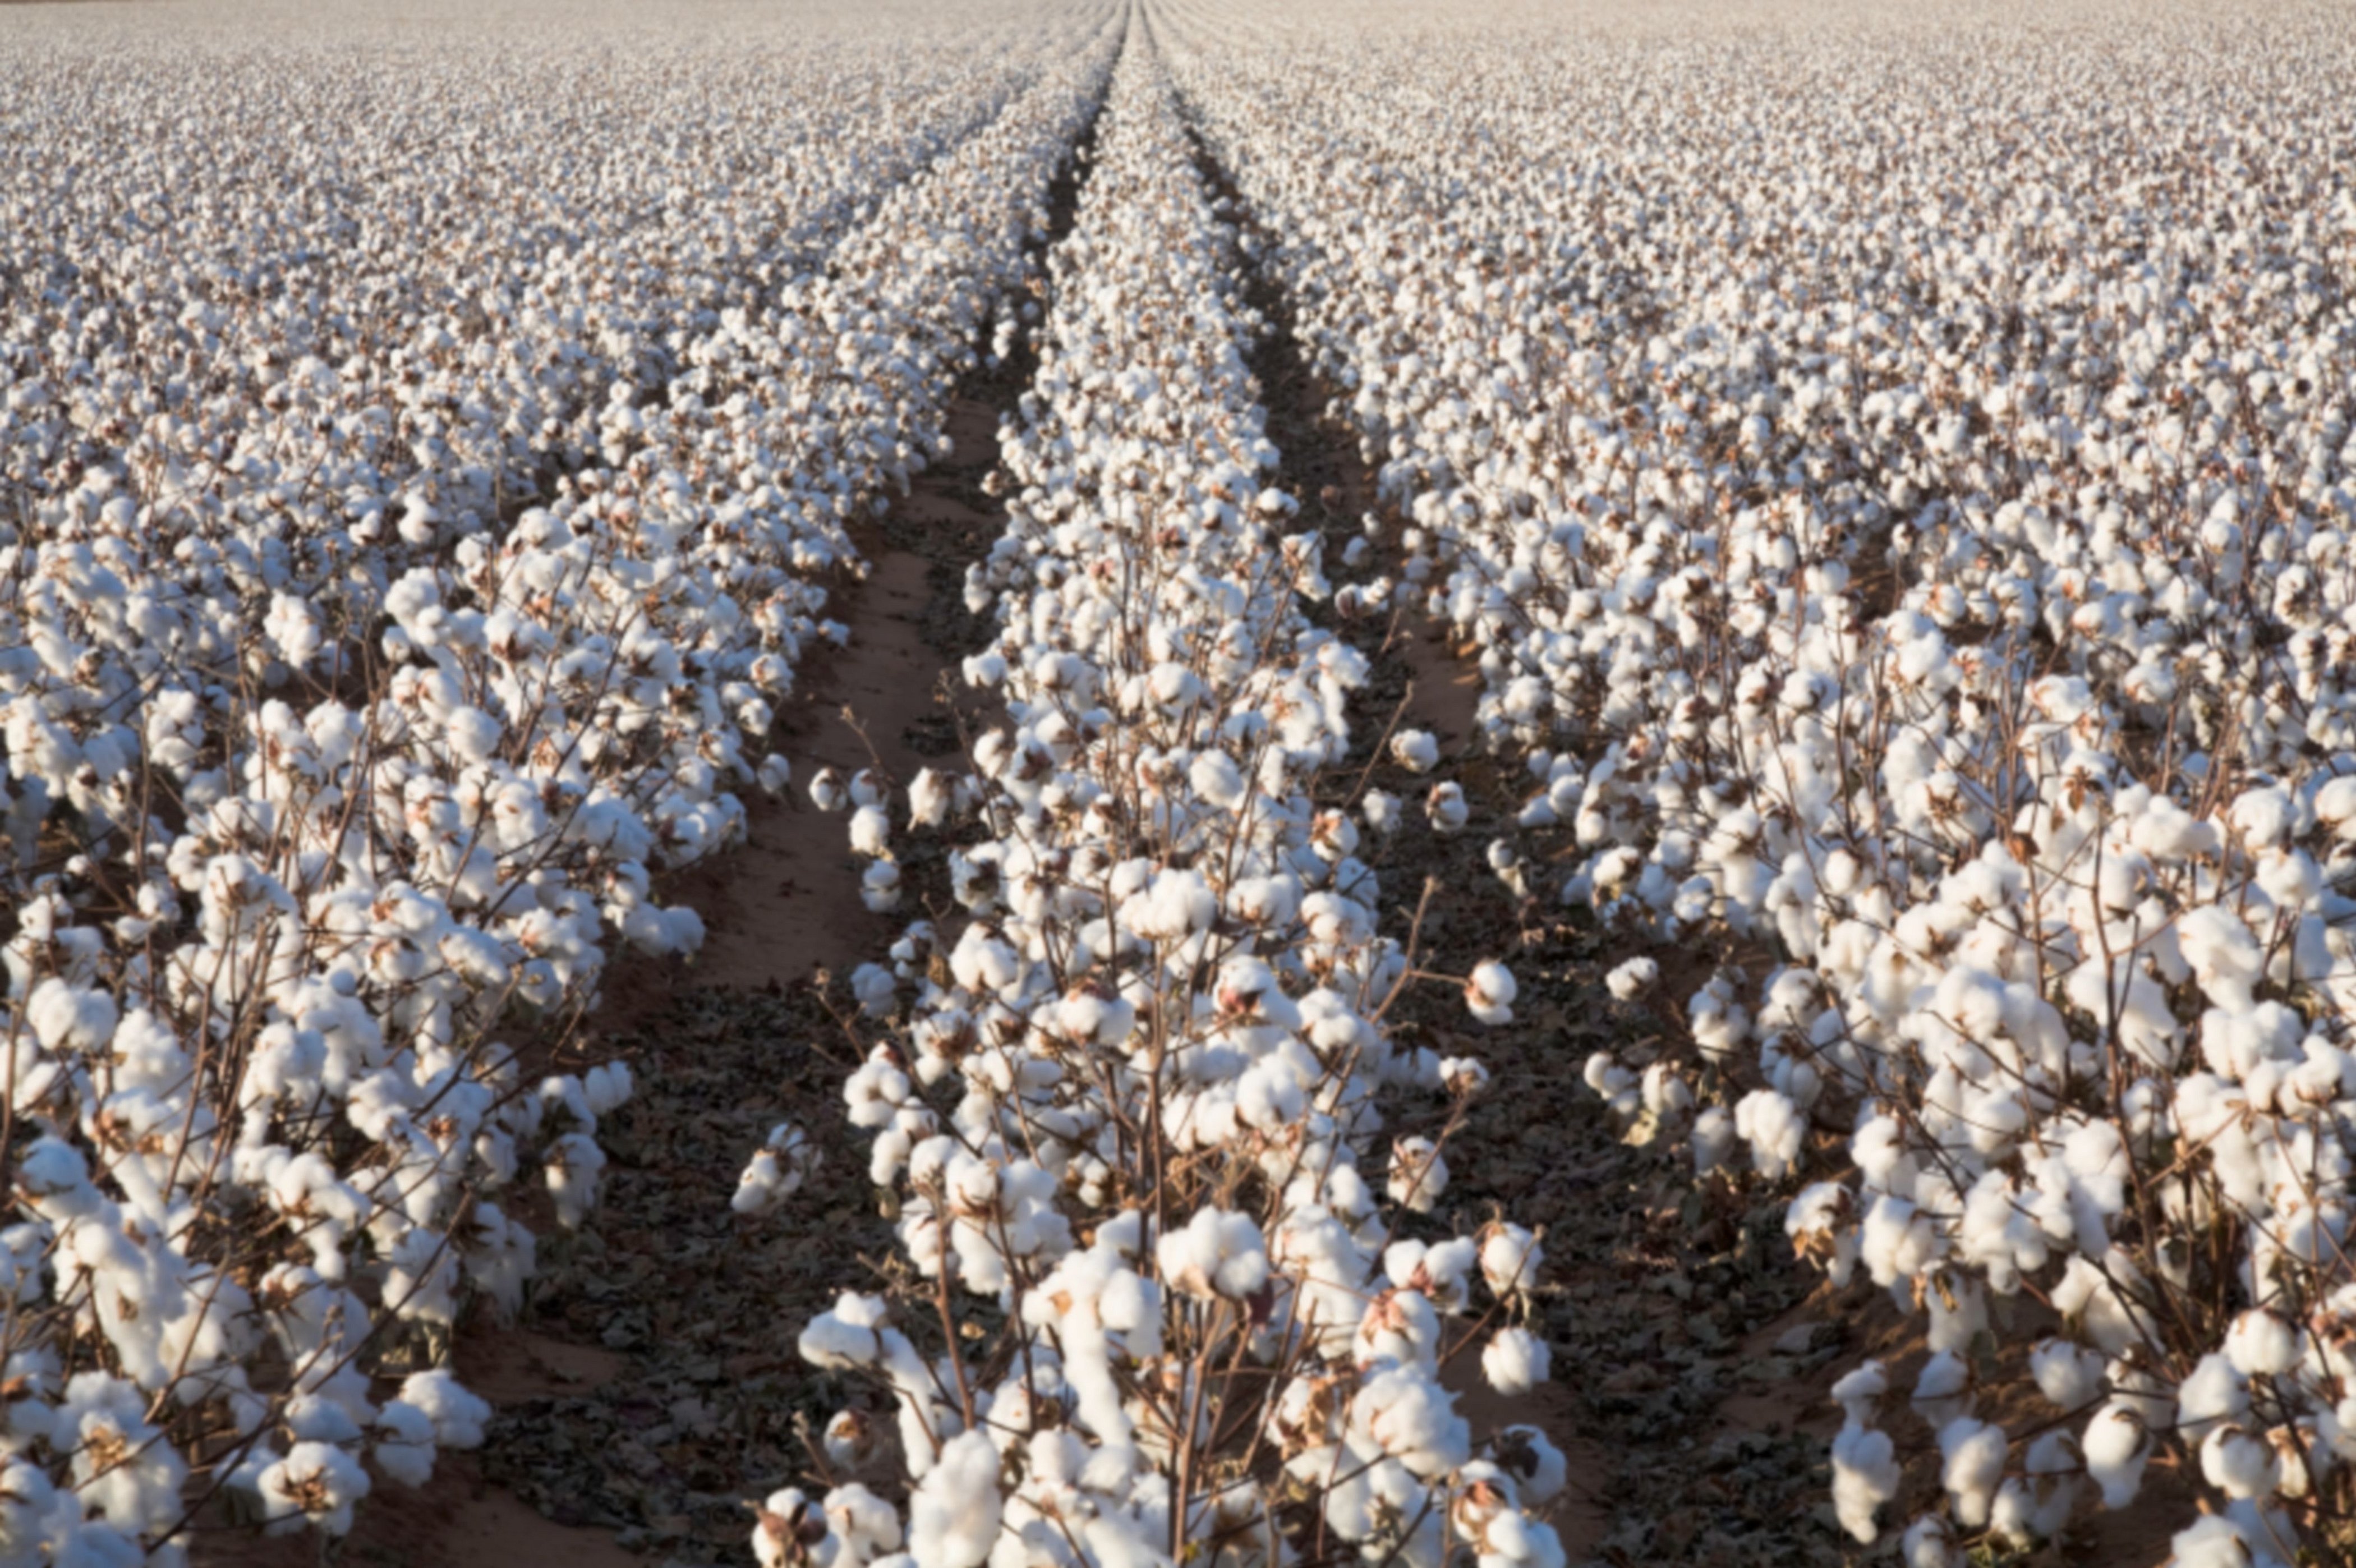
318	1482
2069	1375
1540	1469
1218	1253
1489	994
459	1417
2240	1462
1930	1542
1510	1260
775	774
1865	1475
1415	750
776	1172
930	798
1944	1391
2218	1541
787	1529
404	1445
953	1519
2117	1445
1418	1174
1712	1139
1447	808
2260	1344
871	832
1633	978
1515	1361
2215	1391
1973	1455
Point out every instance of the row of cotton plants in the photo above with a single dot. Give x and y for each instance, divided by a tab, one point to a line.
402	551
1899	490
1156	1160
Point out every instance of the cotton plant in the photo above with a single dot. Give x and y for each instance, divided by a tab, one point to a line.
1978	698
1139	1113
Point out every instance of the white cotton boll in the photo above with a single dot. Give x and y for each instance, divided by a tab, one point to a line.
851	1438
1403	1410
1930	1542
1943	1390
1634	978
1447	808
1415	750
1418	1174
930	797
459	1417
1217	780
2240	1462
1218	1253
1515	1361
787	1529
2069	1375
1865	1477
826	792
953	1520
69	1018
776	1172
404	1445
2117	1445
1381	810
2260	1344
2217	1542
1540	1469
775	774
606	1087
574	1164
1775	1129
1712	1140
871	832
1489	992
1511	1257
316	1481
474	734
879	887
1972	1455
2214	1392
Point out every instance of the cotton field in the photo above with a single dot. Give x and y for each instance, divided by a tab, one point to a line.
1603	719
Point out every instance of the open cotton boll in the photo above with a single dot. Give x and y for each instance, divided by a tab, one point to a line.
1418	1174
787	1529
1865	1475
1515	1361
2240	1462
459	1416
1415	750
316	1482
1973	1455
776	1172
871	832
1631	978
404	1445
1511	1256
1218	1254
954	1517
774	775
2069	1375
931	796
2117	1445
2261	1344
1490	990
